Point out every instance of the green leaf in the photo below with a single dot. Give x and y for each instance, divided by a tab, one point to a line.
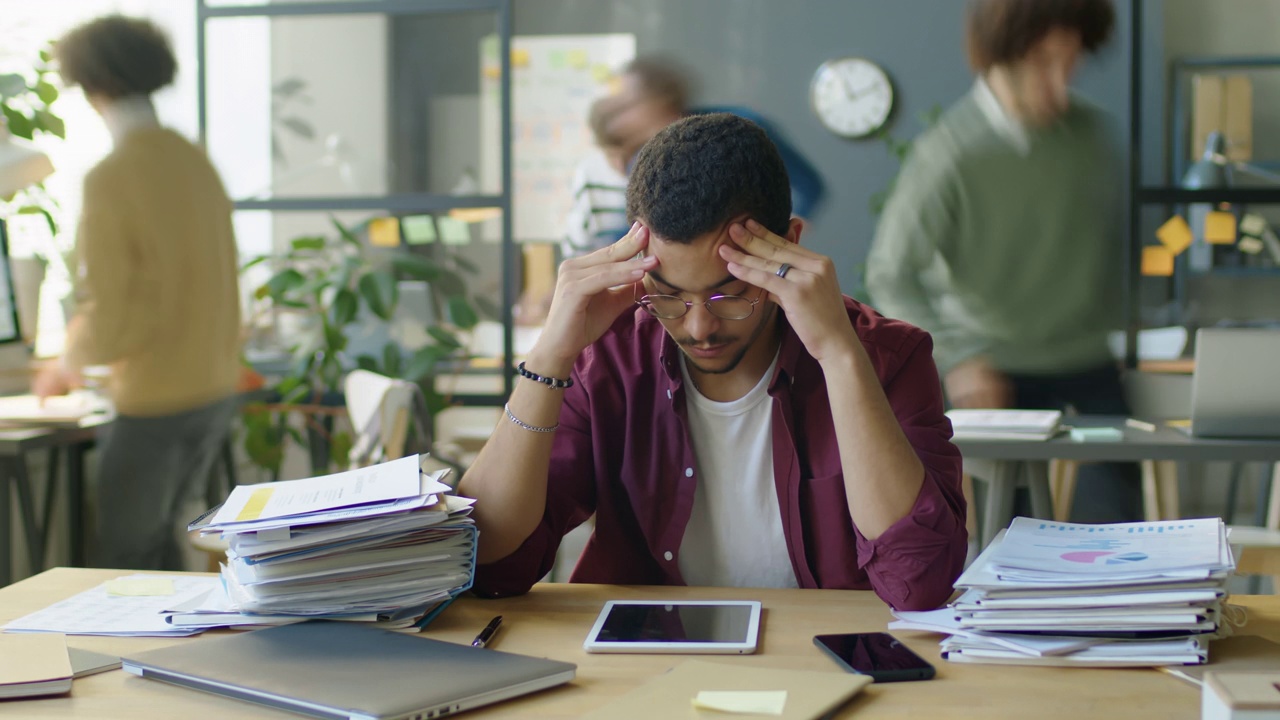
449	283
284	281
46	92
308	242
19	125
345	306
46	56
418	267
334	339
380	292
37	210
367	362
391	359
346	233
255	262
461	313
446	339
300	127
434	401
465	264
488	308
12	84
296	395
340	444
51	124
289	86
423	363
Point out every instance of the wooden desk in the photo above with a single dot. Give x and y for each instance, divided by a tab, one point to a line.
553	620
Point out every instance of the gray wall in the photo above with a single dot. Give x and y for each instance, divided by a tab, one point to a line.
762	54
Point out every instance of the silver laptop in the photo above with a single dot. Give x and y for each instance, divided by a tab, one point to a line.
349	670
1236	388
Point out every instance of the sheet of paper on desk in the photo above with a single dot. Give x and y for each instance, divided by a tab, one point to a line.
95	612
57	410
393	480
1075	549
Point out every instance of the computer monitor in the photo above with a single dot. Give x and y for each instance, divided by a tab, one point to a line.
1234	392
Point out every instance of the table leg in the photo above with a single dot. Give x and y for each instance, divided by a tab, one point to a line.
75	500
999	506
50	493
1037	475
27	506
1150	491
6	527
1167	479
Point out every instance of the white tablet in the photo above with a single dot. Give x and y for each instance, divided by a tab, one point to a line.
676	627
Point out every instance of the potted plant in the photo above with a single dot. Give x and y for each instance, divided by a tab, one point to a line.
331	283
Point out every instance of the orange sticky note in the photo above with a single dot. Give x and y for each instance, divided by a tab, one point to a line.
1220	228
1175	234
1157	261
384	232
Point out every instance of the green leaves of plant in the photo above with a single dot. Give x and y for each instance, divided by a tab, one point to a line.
380	292
461	313
345	306
281	283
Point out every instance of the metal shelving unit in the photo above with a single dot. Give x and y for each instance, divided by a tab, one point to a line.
396	203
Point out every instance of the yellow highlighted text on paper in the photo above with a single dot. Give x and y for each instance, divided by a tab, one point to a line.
255	505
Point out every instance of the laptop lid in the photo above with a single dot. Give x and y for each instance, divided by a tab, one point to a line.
349	670
1234	392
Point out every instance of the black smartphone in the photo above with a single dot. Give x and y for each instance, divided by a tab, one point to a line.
880	655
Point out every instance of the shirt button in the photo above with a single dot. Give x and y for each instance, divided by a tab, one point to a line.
688	472
667	556
668	393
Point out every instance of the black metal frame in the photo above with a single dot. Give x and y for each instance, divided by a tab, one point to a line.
403	202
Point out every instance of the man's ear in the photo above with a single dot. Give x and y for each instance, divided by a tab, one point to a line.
794	228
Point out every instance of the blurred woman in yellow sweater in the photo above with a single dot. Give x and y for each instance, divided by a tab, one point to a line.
156	299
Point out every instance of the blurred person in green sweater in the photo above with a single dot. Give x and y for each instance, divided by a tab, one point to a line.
157	297
1003	237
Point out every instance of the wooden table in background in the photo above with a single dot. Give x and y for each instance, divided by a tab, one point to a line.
553	621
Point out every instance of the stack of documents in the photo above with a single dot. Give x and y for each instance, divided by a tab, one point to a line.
1124	594
381	544
1005	424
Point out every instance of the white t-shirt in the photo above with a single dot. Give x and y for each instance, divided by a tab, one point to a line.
734	537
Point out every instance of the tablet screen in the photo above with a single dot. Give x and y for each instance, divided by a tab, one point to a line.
676	624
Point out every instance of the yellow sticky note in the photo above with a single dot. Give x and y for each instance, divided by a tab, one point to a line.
384	232
1220	228
1157	261
139	587
577	59
256	503
519	57
601	73
744	702
1175	234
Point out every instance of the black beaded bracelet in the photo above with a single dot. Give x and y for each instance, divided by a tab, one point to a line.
553	383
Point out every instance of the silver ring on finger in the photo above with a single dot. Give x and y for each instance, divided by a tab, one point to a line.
782	271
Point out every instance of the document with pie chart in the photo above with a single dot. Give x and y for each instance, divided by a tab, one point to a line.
1120	549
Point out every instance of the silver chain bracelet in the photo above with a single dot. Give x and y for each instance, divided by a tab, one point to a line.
531	428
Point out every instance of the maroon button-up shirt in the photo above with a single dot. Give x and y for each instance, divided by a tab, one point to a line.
623	452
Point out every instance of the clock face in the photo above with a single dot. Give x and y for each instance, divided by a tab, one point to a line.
851	96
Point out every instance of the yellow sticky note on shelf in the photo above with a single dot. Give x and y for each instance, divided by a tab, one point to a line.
384	232
519	57
577	59
1157	261
1175	234
601	73
743	702
1220	228
139	587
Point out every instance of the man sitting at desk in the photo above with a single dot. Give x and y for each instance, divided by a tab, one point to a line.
703	387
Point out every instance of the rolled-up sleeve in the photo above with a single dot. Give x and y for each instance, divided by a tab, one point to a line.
570	501
913	564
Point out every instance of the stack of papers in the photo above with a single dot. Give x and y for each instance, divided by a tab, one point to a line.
1005	424
1124	594
382	544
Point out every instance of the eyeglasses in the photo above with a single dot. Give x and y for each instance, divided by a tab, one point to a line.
728	307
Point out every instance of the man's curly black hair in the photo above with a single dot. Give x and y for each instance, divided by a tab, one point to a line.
701	172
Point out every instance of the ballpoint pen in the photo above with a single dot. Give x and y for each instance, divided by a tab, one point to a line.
487	633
